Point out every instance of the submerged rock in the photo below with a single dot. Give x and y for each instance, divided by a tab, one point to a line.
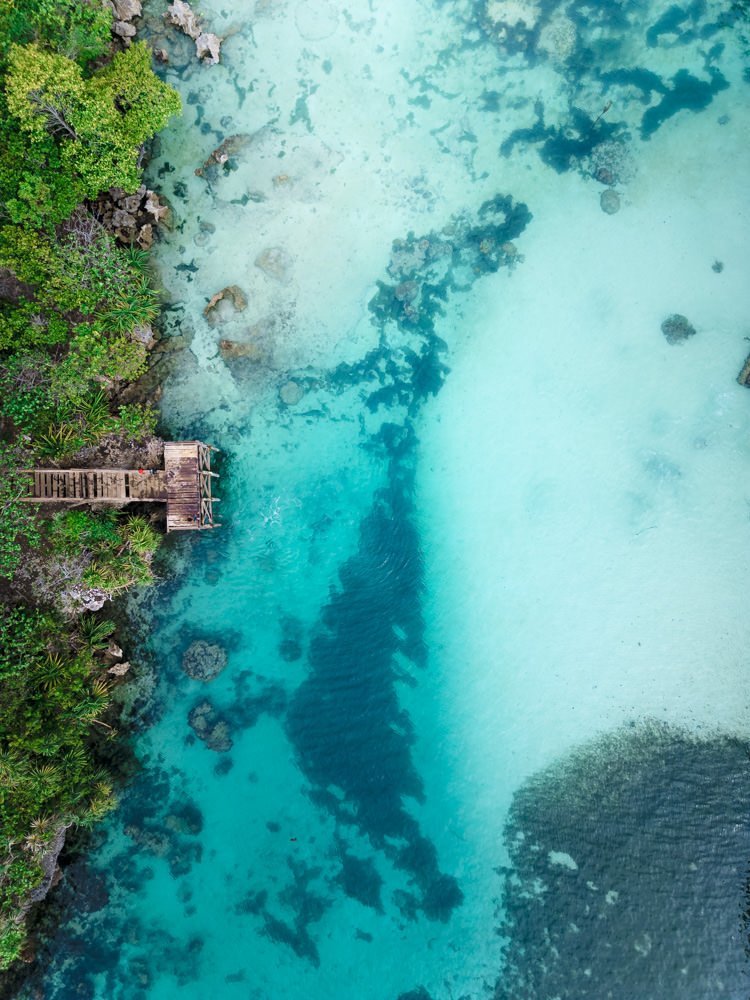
232	145
291	393
610	201
744	376
276	263
233	349
204	660
126	10
677	328
210	727
124	30
222	304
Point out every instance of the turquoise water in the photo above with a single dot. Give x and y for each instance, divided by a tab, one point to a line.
483	567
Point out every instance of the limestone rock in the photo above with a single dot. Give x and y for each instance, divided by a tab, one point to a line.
131	203
208	48
182	15
124	29
204	660
609	201
126	10
291	393
122	219
145	238
229	147
232	349
119	669
88	598
276	263
677	328
144	334
154	207
113	650
222	304
744	376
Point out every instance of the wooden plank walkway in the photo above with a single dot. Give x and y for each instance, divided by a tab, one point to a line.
96	485
184	484
187	466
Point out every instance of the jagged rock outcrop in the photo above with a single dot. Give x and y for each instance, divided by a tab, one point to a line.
49	867
123	14
207	45
132	217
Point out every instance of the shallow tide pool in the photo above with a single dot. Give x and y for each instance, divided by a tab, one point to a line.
484	560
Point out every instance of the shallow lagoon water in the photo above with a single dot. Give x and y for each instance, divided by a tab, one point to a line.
482	586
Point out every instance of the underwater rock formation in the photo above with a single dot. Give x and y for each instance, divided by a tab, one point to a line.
744	376
221	305
233	350
230	146
291	393
677	328
276	263
210	727
629	871
609	201
204	660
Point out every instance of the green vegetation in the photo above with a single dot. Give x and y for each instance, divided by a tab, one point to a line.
74	117
17	520
55	694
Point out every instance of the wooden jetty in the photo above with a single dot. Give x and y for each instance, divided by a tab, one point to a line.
184	484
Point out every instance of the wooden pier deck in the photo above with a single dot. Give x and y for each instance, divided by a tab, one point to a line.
187	466
184	484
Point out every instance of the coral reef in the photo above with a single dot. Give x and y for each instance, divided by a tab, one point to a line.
210	727
204	660
677	328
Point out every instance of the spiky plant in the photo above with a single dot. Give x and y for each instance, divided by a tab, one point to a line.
94	632
134	307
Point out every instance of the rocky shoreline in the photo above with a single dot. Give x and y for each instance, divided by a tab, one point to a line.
134	219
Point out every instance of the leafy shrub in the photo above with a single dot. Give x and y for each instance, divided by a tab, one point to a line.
18	520
137	421
78	29
86	131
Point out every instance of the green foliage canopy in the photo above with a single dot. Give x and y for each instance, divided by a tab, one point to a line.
78	136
